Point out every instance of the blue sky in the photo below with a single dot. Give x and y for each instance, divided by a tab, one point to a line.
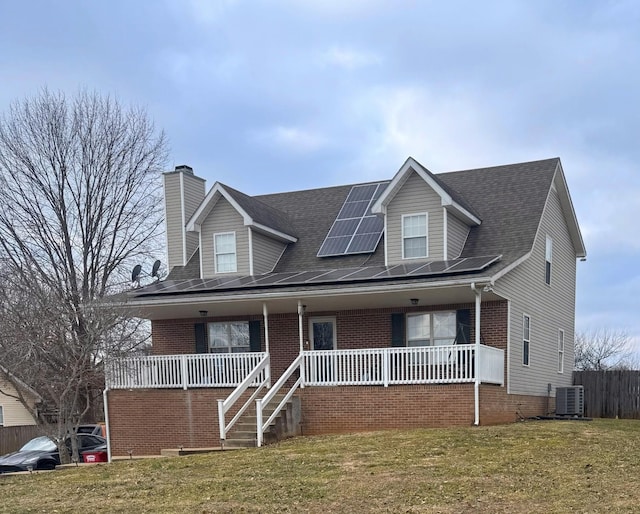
283	95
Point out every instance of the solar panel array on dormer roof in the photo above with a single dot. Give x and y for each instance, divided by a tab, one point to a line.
355	229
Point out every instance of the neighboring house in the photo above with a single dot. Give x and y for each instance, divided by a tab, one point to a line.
12	411
419	301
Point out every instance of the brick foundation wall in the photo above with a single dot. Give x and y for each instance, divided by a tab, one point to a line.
149	420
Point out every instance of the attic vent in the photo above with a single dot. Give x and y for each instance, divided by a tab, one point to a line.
185	168
570	401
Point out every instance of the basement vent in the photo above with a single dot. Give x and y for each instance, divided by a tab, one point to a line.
570	401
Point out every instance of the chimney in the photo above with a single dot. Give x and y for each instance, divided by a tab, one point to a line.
183	193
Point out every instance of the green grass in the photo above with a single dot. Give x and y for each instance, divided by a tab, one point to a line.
550	466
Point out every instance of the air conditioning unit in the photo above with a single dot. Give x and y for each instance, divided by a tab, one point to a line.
570	401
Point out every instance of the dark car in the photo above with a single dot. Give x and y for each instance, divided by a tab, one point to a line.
42	453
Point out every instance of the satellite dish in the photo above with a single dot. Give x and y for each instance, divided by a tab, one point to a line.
136	273
156	267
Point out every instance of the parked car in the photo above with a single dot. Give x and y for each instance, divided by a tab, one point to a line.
93	429
42	453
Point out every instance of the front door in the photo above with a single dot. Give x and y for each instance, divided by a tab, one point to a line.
322	332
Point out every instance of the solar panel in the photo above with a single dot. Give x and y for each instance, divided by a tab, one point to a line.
355	229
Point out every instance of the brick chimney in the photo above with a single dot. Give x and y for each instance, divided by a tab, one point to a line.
183	193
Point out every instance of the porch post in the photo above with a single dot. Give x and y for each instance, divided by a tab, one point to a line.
476	357
300	335
265	315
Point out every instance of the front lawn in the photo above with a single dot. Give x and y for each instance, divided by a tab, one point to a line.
542	466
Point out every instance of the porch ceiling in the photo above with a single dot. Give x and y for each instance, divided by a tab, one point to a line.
314	300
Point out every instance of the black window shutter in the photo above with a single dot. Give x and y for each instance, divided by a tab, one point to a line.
463	326
201	337
397	329
255	339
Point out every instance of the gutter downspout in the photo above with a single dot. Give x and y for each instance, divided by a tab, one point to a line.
476	364
106	422
300	315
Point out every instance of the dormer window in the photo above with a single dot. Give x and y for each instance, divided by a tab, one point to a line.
224	247
414	236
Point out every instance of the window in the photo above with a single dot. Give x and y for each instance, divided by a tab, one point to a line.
231	337
526	339
560	351
1	417
431	329
547	260
225	252
414	236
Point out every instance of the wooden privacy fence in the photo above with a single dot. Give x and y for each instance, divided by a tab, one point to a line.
12	438
610	394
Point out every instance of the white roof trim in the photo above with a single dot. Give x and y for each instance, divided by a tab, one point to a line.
409	166
569	212
195	222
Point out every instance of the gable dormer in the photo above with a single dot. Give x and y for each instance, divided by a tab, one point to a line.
238	234
424	219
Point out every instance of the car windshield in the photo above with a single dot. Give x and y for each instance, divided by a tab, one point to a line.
40	444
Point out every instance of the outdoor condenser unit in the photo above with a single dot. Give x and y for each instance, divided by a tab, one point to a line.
570	401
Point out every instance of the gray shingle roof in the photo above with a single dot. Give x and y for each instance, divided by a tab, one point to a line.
508	199
261	212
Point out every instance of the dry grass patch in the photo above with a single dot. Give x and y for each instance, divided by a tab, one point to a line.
525	467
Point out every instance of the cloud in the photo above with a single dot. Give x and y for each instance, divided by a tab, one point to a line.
348	58
292	139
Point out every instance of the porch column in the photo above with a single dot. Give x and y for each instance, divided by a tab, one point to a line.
265	315
476	364
300	335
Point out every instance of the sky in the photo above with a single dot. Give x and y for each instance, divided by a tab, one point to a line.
280	95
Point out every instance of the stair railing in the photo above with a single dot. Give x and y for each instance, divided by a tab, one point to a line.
261	371
261	404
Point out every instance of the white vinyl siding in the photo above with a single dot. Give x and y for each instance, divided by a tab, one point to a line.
457	233
549	307
526	340
560	351
225	252
415	240
13	412
266	253
415	196
224	218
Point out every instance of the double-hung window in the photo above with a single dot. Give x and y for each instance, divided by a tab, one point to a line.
229	337
548	254
1	417
526	339
431	329
224	245
414	236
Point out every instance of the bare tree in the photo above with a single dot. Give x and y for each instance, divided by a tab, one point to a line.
603	349
79	190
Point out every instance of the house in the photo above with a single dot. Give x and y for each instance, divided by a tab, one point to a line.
423	300
12	411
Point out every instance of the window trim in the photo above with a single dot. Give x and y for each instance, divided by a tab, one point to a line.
321	319
426	234
548	259
560	351
229	345
235	252
431	314
526	341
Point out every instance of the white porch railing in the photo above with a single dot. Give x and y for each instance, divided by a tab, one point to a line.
392	366
183	371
